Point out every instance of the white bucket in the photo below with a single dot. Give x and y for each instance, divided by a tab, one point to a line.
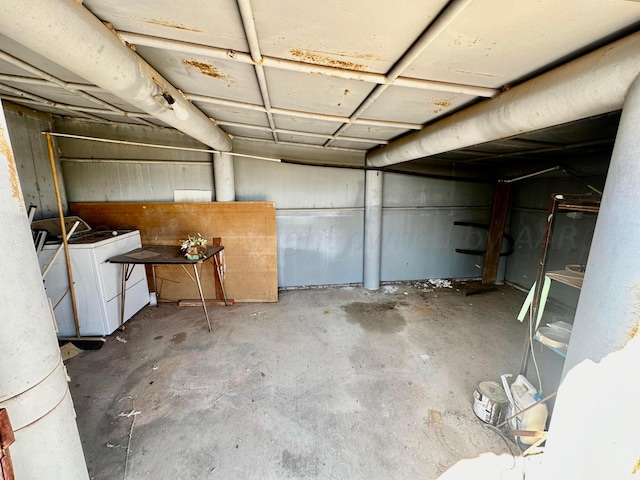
489	402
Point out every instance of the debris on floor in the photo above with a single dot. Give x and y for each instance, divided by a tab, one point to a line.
69	350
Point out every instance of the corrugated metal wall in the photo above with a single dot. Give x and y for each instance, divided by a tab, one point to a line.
32	159
99	172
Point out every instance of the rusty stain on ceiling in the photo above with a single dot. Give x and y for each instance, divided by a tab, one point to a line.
208	69
166	23
443	103
318	59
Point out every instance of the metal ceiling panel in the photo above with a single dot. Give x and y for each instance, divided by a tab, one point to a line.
26	55
247	132
315	93
411	105
197	21
604	126
496	41
228	114
205	76
373	132
53	93
354	34
301	124
307	140
344	143
7	68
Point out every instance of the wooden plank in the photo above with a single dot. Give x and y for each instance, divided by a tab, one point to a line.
247	231
496	229
6	432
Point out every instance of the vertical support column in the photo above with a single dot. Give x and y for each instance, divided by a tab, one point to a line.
33	386
224	181
372	229
594	428
496	229
607	313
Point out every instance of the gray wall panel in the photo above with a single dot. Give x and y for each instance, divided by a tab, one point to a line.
298	186
319	210
419	243
414	191
571	238
570	244
32	160
100	181
319	247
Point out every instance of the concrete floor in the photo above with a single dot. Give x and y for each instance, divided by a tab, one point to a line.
328	383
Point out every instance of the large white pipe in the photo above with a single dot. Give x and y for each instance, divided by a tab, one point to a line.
591	85
33	385
372	229
68	34
223	177
584	441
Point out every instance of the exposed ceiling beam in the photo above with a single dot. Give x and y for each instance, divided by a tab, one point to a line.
593	84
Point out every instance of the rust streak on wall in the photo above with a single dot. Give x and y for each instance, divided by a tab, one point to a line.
5	150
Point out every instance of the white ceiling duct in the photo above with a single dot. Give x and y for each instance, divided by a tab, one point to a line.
68	34
594	84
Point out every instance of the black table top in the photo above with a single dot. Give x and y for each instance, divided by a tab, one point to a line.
160	255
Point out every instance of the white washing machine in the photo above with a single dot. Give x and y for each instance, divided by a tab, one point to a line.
97	283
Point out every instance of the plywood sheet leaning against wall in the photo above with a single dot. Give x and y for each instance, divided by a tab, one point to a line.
247	230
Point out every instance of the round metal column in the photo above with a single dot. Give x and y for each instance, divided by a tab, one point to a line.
33	386
372	229
607	313
223	177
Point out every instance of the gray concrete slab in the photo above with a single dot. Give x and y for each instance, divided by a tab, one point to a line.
328	383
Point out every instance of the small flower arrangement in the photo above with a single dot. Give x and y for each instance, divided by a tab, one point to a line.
194	247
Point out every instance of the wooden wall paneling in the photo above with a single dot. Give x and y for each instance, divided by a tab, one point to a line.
247	231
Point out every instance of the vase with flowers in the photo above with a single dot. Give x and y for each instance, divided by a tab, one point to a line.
194	247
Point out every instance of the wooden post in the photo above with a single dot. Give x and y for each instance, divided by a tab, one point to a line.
63	229
217	241
496	229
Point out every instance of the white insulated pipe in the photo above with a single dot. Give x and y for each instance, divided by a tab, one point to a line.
33	384
68	34
223	177
372	229
590	85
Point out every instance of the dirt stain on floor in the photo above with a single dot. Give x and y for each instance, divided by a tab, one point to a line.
178	338
375	317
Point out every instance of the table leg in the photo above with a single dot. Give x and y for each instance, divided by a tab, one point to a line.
123	290
204	303
155	285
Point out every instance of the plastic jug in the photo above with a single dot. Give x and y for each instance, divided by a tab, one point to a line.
535	419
